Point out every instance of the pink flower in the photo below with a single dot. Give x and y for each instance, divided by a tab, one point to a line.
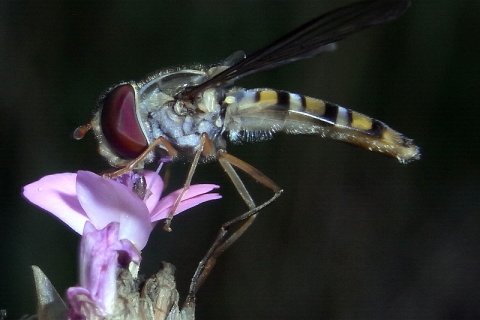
76	198
115	224
102	253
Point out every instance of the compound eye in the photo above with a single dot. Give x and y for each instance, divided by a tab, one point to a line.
120	125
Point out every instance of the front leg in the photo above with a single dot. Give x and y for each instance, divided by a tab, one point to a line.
172	152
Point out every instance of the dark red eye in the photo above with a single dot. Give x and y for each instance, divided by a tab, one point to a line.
120	124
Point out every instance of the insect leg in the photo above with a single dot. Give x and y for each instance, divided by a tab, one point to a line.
224	157
226	237
204	141
172	152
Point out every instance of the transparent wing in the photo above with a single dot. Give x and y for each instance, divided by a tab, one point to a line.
307	40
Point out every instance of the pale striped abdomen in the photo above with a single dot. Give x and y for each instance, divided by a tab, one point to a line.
256	114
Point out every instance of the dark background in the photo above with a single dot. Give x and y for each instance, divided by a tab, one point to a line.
356	235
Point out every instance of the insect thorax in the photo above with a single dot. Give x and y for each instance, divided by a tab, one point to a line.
180	122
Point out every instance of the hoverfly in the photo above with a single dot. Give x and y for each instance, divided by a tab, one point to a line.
191	113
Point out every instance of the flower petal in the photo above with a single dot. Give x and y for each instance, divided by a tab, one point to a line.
155	189
99	264
56	194
81	305
106	201
195	195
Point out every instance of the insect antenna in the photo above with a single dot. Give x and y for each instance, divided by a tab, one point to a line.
81	131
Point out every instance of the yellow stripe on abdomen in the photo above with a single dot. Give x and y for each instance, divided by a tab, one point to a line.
360	121
313	105
270	96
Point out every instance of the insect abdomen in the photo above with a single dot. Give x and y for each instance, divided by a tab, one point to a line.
267	110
